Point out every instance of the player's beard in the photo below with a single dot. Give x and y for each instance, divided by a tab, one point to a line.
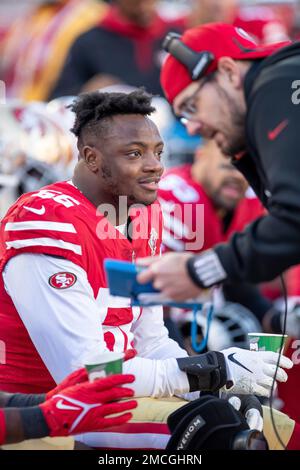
235	130
222	203
113	189
217	197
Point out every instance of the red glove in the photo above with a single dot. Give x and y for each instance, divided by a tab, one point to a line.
77	377
80	376
84	407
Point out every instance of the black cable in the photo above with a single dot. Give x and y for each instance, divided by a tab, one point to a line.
278	362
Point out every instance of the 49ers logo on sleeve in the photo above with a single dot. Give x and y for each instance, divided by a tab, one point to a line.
62	280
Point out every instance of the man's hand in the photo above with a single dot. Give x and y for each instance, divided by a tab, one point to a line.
250	407
169	275
252	372
86	407
79	376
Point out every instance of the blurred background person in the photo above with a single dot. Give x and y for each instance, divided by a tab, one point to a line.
213	181
204	203
36	44
125	47
51	48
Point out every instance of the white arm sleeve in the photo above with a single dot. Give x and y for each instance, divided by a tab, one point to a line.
63	324
156	370
151	337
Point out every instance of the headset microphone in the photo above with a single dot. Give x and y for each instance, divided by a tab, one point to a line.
196	62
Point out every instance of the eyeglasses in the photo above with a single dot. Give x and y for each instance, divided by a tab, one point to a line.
189	108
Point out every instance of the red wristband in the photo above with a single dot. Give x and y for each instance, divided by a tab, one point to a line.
2	427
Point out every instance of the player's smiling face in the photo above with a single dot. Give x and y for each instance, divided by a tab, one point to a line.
131	159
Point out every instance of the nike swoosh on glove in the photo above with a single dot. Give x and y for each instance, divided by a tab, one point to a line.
252	372
86	407
79	376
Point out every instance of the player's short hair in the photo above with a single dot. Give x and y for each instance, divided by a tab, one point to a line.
92	109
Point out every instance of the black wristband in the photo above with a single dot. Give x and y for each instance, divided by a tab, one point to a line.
206	372
192	272
34	423
206	270
22	400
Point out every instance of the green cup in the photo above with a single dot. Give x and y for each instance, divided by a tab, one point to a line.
104	365
266	342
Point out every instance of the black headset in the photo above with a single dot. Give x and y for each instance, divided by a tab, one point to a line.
196	62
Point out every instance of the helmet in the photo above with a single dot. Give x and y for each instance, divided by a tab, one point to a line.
230	326
59	110
35	150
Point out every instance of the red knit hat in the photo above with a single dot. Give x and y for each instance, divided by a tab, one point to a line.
219	39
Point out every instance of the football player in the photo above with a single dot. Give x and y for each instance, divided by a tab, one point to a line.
55	307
